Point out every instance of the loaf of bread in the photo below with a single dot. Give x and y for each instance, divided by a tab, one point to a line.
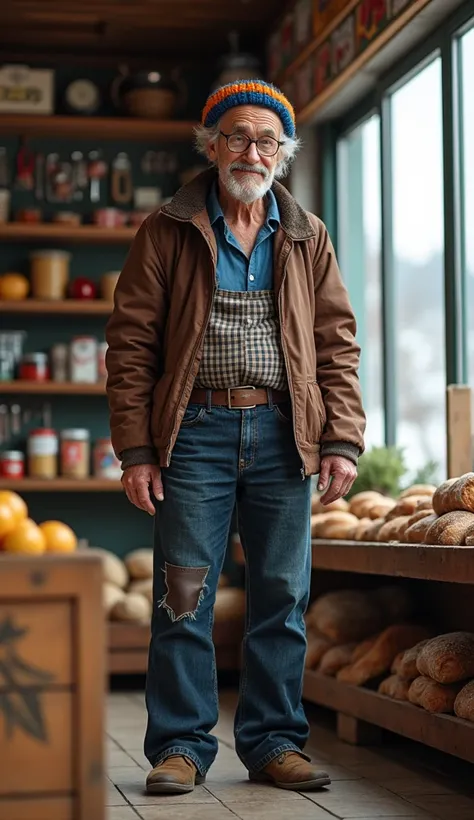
111	595
362	528
140	564
381	508
404	664
419	489
144	587
455	494
464	703
346	616
427	504
432	696
113	568
373	531
378	660
393	530
362	648
418	516
448	658
395	687
357	504
339	531
341	505
450	529
395	602
469	536
335	658
416	533
132	607
405	506
317	646
332	524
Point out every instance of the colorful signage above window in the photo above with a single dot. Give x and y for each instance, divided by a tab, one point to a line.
326	11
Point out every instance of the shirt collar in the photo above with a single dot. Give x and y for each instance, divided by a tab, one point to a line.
215	212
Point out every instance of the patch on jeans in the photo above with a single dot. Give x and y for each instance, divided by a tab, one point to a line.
185	587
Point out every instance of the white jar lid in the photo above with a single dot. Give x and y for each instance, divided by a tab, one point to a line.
75	434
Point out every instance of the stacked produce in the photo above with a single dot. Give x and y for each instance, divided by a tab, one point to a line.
355	635
20	534
371	638
128	589
422	514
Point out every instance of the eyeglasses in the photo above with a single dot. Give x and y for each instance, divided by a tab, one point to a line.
239	143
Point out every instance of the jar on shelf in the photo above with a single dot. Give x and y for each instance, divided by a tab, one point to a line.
60	362
101	368
12	464
42	451
83	359
49	274
106	463
75	453
34	367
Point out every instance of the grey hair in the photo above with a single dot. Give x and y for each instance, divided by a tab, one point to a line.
204	136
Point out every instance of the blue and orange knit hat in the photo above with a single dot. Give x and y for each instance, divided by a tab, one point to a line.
249	92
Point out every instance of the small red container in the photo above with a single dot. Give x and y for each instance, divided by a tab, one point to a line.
34	367
12	464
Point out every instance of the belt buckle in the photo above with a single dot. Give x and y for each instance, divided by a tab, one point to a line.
247	406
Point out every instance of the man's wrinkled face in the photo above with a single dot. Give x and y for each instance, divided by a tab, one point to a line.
247	176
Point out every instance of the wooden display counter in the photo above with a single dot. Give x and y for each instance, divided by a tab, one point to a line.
51	688
441	577
128	646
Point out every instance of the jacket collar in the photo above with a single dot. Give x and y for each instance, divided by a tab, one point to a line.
191	199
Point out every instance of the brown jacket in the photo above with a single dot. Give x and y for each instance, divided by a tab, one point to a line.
163	301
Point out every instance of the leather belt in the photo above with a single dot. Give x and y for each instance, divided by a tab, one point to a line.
240	398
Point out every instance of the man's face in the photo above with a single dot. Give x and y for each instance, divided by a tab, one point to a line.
247	176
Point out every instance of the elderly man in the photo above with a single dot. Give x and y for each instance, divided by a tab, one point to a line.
233	378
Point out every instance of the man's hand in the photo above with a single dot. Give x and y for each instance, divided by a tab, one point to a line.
136	483
343	473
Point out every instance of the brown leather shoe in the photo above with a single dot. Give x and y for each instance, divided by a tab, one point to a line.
291	771
175	774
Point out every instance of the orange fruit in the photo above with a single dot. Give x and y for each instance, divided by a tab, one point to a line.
7	520
25	538
59	537
14	286
16	504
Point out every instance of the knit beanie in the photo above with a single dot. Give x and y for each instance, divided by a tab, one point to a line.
249	92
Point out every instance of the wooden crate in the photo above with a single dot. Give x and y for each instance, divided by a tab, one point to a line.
52	647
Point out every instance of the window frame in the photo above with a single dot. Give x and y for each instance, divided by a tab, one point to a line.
444	42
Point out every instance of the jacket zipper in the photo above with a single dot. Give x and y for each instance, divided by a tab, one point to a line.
196	346
288	371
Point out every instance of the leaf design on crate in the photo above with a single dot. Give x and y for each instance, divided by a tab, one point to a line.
20	685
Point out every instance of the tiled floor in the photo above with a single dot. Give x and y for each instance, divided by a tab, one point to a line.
389	782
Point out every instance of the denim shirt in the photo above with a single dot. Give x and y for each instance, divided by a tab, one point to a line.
236	271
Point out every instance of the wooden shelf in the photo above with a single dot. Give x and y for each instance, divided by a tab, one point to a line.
444	732
52	388
97	128
449	564
94	307
128	645
14	231
61	485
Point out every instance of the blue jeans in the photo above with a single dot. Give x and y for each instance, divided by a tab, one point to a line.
222	456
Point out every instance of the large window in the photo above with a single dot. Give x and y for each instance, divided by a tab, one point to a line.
359	252
418	267
467	165
405	239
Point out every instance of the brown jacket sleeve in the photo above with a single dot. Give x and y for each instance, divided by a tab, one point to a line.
337	353
135	338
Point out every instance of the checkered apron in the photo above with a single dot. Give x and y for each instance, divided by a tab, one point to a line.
242	344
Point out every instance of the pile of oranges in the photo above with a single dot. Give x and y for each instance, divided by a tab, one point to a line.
20	534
